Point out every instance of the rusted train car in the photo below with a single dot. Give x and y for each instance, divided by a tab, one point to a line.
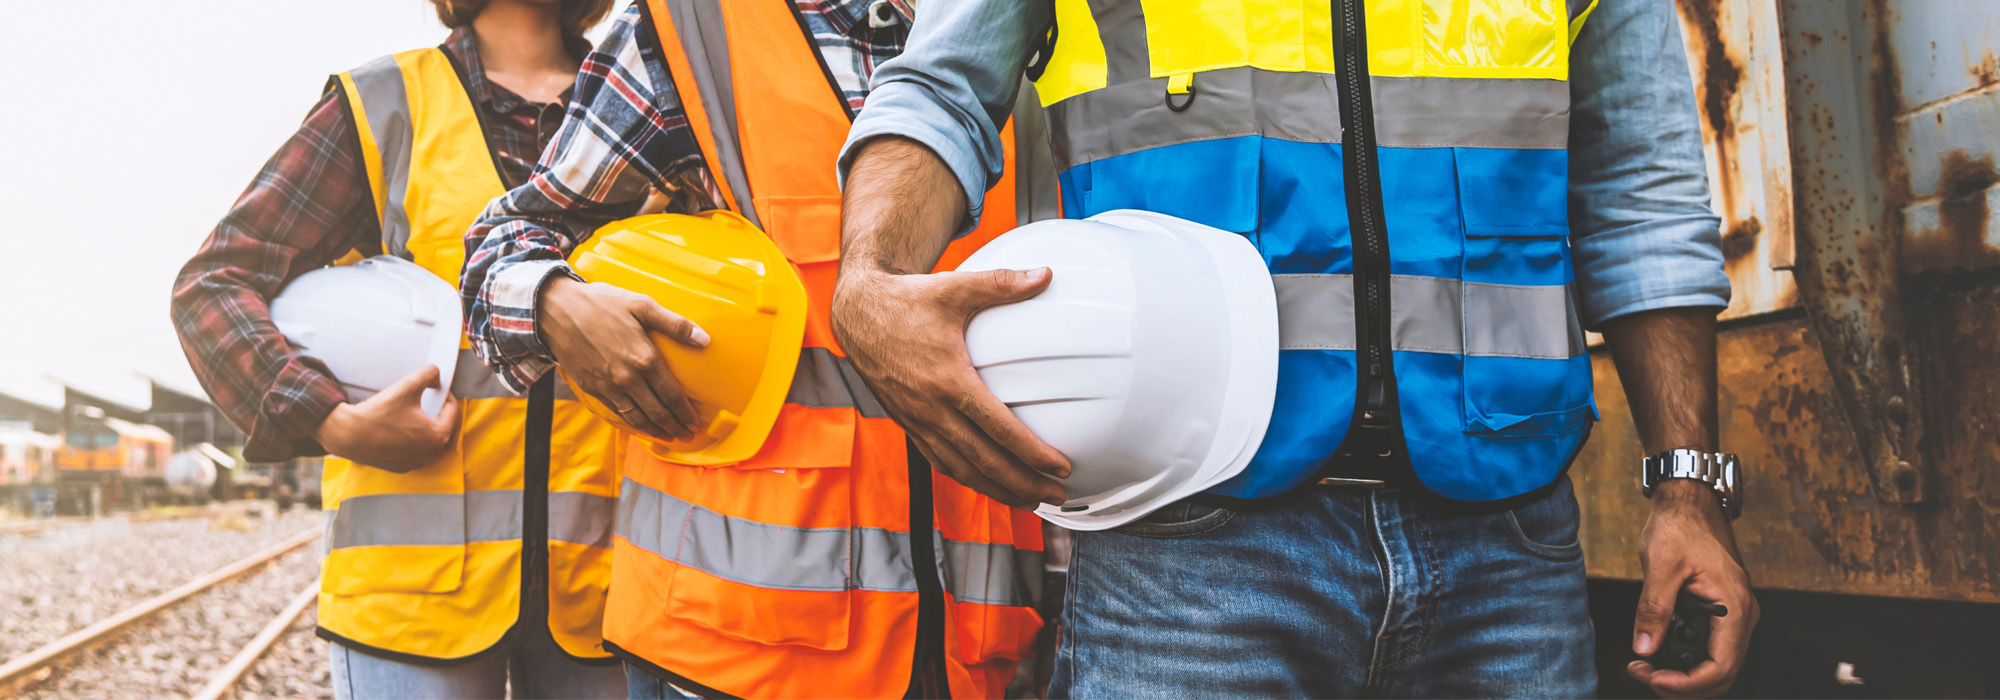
1852	154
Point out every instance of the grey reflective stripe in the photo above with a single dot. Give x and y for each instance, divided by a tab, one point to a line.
705	41
817	559
1121	25
474	380
992	574
492	516
826	380
1415	113
1037	194
1432	314
387	104
582	518
415	519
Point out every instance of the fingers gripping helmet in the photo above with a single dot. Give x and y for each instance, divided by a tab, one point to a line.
717	270
372	323
1151	360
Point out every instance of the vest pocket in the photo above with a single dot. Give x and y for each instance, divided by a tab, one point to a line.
807	229
780	568
806	438
811	619
384	535
1524	373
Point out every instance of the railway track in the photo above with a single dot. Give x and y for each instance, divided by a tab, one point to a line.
36	665
41	525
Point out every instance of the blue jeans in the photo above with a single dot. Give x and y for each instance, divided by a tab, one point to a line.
1331	592
533	669
646	686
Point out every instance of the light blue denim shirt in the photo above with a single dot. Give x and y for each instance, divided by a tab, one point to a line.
1643	235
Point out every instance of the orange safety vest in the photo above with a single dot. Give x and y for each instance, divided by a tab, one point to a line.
796	573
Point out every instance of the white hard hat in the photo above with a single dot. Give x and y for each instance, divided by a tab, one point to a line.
1151	360
372	323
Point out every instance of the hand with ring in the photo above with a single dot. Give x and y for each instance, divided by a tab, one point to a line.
601	337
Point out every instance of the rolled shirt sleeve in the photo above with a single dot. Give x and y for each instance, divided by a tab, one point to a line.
623	141
952	88
1642	232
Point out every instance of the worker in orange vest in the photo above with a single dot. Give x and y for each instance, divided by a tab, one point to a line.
830	563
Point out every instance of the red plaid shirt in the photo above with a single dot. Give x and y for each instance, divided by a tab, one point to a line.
309	206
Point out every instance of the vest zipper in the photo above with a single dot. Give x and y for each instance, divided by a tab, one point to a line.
927	676
1375	406
535	454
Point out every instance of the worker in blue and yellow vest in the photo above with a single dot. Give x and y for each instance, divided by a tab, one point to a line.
1446	193
462	560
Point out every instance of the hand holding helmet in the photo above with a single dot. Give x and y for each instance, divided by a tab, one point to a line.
600	336
390	430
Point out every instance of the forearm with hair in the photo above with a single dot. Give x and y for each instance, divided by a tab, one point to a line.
1666	360
899	208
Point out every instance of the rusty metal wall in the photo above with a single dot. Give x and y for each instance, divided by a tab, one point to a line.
1734	55
1863	393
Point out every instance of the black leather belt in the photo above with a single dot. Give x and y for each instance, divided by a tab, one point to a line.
1366	461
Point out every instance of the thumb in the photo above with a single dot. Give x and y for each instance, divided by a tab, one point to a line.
447	417
658	319
412	384
1656	610
978	290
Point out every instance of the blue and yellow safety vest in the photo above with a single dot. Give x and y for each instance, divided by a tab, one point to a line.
1420	251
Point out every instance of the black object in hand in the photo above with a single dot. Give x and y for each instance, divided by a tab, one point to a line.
1686	643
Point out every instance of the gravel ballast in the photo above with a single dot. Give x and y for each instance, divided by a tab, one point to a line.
57	582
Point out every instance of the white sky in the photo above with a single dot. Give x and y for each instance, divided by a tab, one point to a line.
125	136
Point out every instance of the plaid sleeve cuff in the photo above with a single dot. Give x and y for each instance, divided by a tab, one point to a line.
292	409
512	302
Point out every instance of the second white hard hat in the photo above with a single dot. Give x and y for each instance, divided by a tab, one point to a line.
372	323
1151	360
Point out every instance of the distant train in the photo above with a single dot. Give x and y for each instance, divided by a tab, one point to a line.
26	456
126	462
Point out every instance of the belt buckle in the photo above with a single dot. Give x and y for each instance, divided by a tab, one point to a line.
1361	483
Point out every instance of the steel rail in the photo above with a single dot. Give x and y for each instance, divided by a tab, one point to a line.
20	667
224	680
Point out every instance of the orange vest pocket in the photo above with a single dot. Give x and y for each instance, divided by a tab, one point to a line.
807	438
811	619
806	228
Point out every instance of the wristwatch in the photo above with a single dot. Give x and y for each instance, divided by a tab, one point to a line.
1719	470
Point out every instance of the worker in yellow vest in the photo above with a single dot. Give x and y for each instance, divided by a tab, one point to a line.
830	562
465	556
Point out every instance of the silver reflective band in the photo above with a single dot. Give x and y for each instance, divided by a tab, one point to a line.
705	41
418	519
817	559
384	98
474	380
1304	107
826	380
1433	314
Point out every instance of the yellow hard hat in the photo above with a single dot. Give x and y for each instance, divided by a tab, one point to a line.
719	271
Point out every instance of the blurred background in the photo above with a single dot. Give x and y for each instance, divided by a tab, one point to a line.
131	127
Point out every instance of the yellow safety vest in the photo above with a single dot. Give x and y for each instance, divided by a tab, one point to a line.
428	566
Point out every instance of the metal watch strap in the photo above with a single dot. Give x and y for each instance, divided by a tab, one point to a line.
1719	470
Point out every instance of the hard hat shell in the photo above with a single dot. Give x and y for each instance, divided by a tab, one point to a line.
372	323
1151	361
717	270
